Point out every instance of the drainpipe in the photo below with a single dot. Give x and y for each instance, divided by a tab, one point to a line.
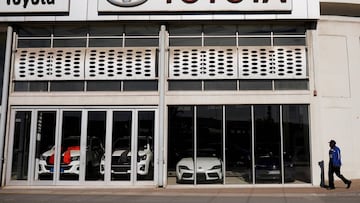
4	100
162	106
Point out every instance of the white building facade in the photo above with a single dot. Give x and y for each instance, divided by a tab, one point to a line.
179	93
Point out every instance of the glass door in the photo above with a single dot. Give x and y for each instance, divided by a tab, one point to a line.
122	129
132	153
45	145
145	145
80	146
69	150
20	146
95	145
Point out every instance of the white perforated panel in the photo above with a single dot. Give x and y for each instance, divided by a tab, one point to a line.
121	63
49	64
272	62
203	63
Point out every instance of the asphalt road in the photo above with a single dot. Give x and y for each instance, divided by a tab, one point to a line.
66	198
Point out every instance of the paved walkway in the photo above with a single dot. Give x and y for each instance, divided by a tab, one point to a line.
291	190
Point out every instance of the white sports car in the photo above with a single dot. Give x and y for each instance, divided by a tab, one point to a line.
208	169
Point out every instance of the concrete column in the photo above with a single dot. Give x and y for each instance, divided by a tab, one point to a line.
163	51
4	101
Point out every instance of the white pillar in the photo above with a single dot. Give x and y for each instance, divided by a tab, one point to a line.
163	50
4	100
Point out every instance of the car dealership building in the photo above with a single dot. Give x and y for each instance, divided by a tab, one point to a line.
129	93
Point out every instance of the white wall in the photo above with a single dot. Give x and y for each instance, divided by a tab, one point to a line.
337	80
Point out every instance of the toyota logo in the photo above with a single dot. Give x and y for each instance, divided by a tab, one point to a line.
127	3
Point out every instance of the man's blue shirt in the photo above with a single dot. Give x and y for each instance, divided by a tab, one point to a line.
335	156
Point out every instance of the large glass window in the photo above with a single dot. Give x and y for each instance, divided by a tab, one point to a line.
181	143
296	143
238	146
258	144
209	144
267	144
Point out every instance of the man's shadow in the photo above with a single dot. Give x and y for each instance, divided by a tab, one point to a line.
322	174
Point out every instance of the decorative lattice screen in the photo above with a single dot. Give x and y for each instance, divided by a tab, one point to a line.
49	64
185	63
272	62
202	63
85	64
237	62
120	63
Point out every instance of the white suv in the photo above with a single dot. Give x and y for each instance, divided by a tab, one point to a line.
70	157
121	157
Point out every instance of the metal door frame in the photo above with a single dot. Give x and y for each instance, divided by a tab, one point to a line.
84	123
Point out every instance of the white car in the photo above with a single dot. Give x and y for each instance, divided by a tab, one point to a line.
208	169
70	157
121	157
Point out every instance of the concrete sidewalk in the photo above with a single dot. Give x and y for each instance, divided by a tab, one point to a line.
287	190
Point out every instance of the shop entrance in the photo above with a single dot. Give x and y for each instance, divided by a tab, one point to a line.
78	146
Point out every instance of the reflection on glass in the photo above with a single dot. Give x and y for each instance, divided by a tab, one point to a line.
27	86
96	132
268	156
209	154
45	145
180	143
296	144
220	85
145	155
184	85
121	147
70	146
19	170
219	29
267	144
238	144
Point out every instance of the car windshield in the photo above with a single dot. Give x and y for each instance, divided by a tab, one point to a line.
200	153
267	160
125	143
122	143
71	142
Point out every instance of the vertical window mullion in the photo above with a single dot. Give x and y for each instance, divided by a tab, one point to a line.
123	39
195	145
108	145
224	143
253	143
281	145
83	144
52	41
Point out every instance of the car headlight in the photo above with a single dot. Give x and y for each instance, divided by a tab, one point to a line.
75	158
181	167
142	158
216	167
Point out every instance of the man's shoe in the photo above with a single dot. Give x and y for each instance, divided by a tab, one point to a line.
330	188
348	185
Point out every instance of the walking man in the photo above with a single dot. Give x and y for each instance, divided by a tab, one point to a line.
334	166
